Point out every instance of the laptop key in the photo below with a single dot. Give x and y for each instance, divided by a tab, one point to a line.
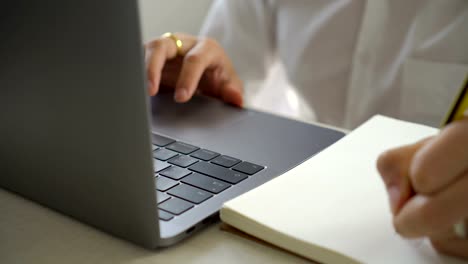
154	147
218	172
225	161
175	206
164	154
175	172
190	193
162	197
182	147
248	168
206	183
164	215
204	154
183	161
161	141
159	165
163	184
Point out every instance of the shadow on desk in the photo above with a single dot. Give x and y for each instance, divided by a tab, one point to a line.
30	233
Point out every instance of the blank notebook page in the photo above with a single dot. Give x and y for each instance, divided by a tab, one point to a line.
336	200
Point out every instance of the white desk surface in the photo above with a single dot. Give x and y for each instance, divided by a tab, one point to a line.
30	233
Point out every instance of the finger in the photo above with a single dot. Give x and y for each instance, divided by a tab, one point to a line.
232	89
439	162
170	73
162	50
233	94
205	55
427	215
393	166
226	86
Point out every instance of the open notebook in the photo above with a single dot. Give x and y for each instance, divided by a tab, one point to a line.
333	208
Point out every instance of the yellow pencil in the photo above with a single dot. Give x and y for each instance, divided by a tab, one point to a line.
456	112
459	106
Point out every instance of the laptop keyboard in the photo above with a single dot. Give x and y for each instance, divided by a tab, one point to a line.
187	175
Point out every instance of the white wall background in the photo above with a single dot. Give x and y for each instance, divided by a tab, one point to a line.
160	16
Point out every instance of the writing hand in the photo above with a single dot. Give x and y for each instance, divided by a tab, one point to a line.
427	184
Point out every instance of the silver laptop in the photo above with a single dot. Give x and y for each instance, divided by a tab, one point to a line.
79	134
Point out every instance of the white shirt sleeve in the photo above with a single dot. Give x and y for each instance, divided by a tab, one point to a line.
244	28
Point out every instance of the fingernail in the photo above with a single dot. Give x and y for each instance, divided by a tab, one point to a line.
180	95
394	194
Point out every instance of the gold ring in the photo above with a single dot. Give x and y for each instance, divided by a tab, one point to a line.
176	40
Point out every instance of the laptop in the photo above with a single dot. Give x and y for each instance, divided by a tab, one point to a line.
80	135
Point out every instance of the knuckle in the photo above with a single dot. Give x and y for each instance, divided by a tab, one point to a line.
194	58
388	166
157	44
210	43
385	162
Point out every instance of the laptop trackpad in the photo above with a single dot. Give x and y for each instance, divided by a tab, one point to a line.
192	119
